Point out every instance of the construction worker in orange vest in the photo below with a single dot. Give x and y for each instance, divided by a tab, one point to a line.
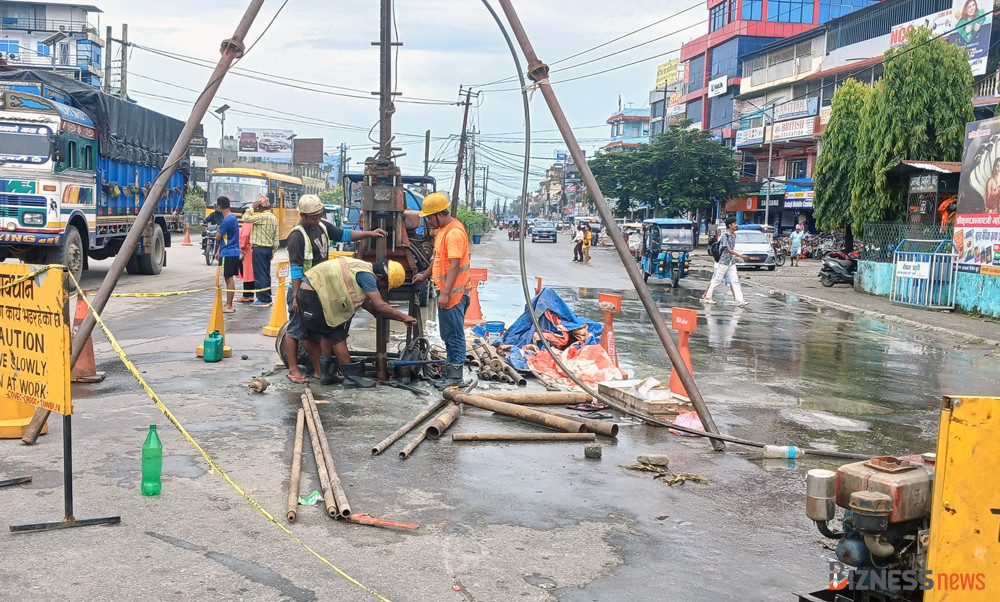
450	270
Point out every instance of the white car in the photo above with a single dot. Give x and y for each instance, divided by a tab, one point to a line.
757	247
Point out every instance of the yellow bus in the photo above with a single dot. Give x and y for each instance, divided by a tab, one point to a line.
243	186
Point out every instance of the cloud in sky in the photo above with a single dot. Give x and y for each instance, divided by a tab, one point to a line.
446	43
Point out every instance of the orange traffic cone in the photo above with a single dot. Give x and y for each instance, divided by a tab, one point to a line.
187	236
611	305
85	368
216	322
685	321
279	311
474	314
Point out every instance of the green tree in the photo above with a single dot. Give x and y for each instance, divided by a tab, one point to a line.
681	171
918	111
334	196
194	202
834	178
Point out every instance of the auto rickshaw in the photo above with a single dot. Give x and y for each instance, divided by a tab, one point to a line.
666	248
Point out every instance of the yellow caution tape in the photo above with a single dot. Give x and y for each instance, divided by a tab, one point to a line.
180	428
197	290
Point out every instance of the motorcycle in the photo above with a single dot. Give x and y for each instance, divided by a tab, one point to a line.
838	268
208	242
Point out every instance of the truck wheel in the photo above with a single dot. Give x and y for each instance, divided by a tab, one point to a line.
675	278
132	267
279	347
151	264
645	276
71	253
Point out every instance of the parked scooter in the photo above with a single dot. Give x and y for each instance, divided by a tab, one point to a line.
838	268
208	242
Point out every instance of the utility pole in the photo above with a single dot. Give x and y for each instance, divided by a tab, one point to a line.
343	164
470	190
461	148
123	86
486	185
427	153
107	62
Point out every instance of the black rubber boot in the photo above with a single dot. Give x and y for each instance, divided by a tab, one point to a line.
353	378
329	368
450	377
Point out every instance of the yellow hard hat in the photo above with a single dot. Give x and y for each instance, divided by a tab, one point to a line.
435	202
396	274
310	204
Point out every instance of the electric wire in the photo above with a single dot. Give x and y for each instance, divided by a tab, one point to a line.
527	294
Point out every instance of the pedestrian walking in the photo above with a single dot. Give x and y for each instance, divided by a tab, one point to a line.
588	237
228	243
797	236
726	266
263	246
309	245
450	270
578	245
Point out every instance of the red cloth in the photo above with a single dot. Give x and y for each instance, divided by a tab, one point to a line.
247	251
590	363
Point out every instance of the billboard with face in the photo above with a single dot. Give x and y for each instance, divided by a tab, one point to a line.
977	216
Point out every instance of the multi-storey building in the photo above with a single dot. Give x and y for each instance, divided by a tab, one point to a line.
629	128
56	37
784	102
712	63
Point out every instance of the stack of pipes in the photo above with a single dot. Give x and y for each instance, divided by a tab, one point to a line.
492	366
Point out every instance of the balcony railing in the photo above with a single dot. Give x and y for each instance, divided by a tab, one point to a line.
988	86
29	58
46	25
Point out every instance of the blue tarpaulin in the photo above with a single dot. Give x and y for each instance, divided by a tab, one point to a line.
520	332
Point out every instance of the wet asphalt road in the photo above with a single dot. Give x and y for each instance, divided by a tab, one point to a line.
498	521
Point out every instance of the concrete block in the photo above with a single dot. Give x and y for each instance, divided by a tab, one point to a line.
654	459
592	450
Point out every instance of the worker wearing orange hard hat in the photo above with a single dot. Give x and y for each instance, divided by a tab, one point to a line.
450	272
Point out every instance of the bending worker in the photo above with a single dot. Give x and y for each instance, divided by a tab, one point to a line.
450	270
329	296
301	257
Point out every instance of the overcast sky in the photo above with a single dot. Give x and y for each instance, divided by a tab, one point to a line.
446	43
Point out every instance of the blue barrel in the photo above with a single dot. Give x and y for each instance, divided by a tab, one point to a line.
477	238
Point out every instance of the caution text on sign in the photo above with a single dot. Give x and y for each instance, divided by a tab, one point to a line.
34	339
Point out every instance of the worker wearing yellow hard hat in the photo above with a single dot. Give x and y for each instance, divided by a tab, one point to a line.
309	246
329	297
450	271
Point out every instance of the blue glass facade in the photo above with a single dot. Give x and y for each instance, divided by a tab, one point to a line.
790	11
694	111
717	17
727	58
720	111
696	73
831	9
753	10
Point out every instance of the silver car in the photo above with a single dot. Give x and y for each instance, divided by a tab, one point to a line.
757	247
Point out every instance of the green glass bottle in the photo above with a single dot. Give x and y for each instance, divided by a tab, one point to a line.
152	463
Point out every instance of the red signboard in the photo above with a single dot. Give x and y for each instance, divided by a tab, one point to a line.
742	203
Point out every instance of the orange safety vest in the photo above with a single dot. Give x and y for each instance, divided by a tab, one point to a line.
442	264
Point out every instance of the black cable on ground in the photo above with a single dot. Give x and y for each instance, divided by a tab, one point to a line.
527	293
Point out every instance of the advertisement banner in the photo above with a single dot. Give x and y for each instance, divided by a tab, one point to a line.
741	203
268	145
717	87
913	269
745	110
798	198
972	22
977	217
748	136
793	109
666	73
796	128
824	115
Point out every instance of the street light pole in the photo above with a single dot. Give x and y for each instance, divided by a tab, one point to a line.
770	154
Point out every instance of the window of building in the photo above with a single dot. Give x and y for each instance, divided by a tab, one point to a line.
694	111
733	4
749	168
657	129
696	70
717	16
832	9
795	169
656	109
753	10
720	111
71	159
790	11
10	47
88	54
43	49
724	59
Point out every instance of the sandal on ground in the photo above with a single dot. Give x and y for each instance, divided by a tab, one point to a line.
302	380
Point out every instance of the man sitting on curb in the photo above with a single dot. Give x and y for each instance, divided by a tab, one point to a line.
330	295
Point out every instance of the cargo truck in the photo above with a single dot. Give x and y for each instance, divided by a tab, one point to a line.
75	167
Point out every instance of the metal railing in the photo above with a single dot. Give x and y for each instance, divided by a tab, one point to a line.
881	239
67	26
923	274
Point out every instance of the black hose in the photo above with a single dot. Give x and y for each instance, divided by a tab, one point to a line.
825	530
524	278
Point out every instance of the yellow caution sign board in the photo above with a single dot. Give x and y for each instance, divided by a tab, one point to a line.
34	339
